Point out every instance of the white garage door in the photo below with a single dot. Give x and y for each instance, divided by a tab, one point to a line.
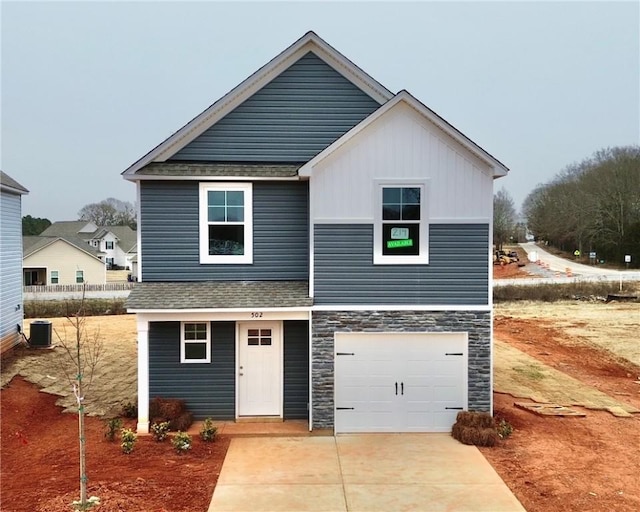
392	382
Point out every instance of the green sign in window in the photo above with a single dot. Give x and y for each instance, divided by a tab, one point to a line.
392	244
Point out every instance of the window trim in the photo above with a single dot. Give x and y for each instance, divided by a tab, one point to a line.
81	272
422	258
205	257
57	272
184	342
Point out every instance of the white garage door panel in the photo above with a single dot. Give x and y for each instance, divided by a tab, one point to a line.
391	382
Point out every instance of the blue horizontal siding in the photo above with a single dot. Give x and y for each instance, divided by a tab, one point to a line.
208	389
291	119
296	369
457	272
170	243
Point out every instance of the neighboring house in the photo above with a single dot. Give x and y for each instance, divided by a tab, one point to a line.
115	245
313	246
56	260
11	306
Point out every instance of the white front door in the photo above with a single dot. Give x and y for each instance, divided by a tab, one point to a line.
260	369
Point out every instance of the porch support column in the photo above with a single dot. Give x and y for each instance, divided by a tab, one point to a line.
143	376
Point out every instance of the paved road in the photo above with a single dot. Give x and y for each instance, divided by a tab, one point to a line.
559	265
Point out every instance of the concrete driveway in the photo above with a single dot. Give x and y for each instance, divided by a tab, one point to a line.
368	473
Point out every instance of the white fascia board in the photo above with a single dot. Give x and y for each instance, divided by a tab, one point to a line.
66	242
232	314
137	177
498	168
309	42
403	307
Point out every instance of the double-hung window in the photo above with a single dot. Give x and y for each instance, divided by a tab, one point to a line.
226	223
79	276
195	342
54	277
401	228
108	245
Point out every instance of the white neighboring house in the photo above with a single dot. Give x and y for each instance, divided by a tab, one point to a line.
54	260
115	245
11	313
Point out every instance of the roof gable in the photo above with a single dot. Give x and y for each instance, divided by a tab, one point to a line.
291	119
33	244
310	42
8	184
497	167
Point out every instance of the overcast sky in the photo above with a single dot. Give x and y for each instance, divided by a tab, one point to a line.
88	87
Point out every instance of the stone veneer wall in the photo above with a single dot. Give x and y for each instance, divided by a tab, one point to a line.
326	323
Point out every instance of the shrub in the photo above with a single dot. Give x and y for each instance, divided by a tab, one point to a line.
172	410
111	428
181	442
160	431
60	308
130	410
504	429
577	290
129	439
208	431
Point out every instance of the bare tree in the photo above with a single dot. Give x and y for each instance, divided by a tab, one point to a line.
83	350
110	212
504	218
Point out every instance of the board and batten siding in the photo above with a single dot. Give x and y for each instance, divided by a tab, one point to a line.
291	119
296	369
401	144
10	269
170	244
457	273
208	389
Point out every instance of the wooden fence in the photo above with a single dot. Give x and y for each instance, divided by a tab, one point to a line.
79	288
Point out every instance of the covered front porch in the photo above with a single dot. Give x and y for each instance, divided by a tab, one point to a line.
243	359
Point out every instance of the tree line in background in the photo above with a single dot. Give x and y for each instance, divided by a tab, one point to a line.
592	206
109	212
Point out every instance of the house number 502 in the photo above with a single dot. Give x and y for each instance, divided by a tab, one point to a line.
257	314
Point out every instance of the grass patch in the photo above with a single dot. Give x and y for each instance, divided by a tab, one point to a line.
562	291
68	307
530	371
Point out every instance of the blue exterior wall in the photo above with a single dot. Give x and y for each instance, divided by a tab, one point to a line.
291	119
208	389
457	273
11	310
170	243
296	369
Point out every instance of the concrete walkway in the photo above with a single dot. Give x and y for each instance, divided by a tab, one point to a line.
368	473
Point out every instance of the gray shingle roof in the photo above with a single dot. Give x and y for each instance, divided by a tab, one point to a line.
31	244
65	228
232	170
11	185
219	294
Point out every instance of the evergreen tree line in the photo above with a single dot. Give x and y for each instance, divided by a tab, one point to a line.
591	206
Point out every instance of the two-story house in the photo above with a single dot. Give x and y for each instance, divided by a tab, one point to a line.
313	246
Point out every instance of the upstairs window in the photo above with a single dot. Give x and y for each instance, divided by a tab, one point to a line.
401	229
108	245
226	223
